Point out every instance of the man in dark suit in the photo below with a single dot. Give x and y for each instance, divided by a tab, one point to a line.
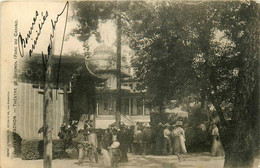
147	134
122	138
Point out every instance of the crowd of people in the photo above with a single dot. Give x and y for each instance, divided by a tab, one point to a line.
140	139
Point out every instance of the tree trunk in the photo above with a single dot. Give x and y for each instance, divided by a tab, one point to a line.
47	119
239	160
239	137
239	151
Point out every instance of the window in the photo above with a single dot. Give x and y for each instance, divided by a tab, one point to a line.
146	108
131	86
146	111
139	106
125	106
106	106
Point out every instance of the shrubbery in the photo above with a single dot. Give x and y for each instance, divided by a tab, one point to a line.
198	140
15	143
33	149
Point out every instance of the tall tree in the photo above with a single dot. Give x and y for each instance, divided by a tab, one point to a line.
239	21
177	54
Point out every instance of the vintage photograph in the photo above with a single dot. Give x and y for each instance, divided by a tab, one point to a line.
130	84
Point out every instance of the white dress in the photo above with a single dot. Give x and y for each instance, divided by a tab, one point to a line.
217	149
179	141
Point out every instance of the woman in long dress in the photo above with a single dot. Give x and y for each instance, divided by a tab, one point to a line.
179	146
105	144
217	149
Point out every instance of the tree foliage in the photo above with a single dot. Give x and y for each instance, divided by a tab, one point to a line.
208	49
179	54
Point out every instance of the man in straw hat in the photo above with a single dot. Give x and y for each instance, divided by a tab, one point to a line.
167	139
105	144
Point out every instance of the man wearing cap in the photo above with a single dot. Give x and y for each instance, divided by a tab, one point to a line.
92	138
130	138
138	141
158	138
80	141
147	132
167	139
122	138
105	144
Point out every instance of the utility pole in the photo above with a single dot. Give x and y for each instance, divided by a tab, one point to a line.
47	116
118	101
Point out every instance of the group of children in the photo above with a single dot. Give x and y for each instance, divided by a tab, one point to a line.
87	145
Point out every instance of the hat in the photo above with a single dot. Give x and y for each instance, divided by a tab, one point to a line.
115	144
167	125
160	124
114	129
212	123
178	123
81	130
148	125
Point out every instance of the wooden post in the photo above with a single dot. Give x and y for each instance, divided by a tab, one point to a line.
47	118
118	101
258	75
66	105
143	106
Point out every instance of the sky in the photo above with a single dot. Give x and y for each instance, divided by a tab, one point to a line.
108	35
27	11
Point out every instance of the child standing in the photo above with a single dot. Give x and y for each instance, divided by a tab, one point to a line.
115	153
80	140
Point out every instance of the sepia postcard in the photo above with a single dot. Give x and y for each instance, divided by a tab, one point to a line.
131	84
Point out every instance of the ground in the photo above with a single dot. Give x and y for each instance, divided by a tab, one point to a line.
198	160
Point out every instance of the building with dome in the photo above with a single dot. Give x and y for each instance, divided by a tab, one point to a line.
105	58
132	103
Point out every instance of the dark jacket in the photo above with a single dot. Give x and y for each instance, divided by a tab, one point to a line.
106	140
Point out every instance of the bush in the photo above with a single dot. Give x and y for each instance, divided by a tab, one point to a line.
72	153
15	143
58	149
33	149
198	140
30	149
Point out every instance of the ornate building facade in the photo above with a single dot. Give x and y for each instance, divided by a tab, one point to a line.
132	101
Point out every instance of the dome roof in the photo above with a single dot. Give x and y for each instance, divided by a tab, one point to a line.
103	49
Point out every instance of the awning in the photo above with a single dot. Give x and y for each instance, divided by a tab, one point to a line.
31	69
178	111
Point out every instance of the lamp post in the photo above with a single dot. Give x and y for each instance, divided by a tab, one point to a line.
118	101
